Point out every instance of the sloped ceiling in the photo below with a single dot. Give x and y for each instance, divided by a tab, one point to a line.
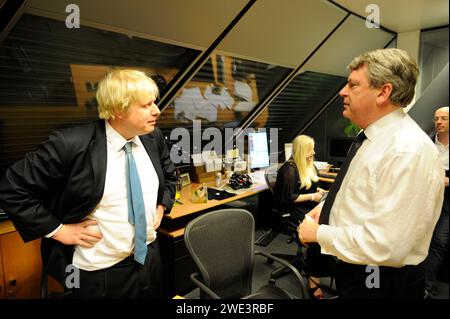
404	15
283	32
191	23
350	40
279	32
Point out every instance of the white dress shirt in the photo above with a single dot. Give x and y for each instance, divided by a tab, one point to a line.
111	212
443	152
390	199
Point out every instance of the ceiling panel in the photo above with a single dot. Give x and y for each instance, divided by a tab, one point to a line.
404	15
282	32
194	23
350	40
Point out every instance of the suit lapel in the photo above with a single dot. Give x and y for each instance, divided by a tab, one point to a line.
98	153
153	152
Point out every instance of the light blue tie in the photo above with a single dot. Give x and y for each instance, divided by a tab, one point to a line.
136	208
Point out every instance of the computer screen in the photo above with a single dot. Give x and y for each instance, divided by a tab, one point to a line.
258	150
338	148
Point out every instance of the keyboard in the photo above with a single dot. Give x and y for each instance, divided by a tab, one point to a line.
266	238
218	194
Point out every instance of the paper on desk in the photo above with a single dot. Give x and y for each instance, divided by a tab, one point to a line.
320	165
191	104
222	100
258	177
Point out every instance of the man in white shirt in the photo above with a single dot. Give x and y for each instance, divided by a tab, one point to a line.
74	193
439	242
390	198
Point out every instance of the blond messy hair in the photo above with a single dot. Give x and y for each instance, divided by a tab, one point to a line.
121	88
393	66
303	145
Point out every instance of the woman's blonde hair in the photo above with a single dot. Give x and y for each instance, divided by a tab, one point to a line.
121	88
303	146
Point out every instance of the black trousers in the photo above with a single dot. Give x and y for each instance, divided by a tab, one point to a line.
125	280
438	247
362	282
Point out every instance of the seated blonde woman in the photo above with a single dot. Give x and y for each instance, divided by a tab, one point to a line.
297	192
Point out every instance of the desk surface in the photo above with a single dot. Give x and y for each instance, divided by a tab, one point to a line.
189	207
6	227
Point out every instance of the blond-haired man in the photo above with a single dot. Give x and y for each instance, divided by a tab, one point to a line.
73	193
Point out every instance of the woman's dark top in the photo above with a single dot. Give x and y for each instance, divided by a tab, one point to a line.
287	190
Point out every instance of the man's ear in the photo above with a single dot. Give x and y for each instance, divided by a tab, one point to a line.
385	93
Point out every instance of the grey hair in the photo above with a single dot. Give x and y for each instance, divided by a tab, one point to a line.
393	66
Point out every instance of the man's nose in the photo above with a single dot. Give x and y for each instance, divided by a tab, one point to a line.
155	110
343	92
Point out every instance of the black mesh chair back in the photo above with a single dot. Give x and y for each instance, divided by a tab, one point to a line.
221	244
270	176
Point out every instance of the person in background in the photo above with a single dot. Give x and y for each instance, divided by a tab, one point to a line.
378	218
297	192
96	194
439	242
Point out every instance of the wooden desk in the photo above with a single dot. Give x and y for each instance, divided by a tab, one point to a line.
329	178
20	264
326	179
177	262
188	207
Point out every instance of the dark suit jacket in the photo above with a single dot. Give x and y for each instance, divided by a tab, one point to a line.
63	181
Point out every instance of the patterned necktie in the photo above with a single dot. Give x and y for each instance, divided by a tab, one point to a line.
325	214
136	208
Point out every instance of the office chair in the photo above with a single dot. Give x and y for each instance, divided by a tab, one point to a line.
288	225
221	245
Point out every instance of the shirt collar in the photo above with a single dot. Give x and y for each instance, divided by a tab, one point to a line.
436	141
373	130
118	141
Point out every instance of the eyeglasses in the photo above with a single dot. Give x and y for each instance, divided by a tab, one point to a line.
444	118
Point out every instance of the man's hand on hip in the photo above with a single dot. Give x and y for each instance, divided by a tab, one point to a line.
82	234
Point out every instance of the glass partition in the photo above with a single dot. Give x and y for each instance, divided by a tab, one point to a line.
247	66
222	93
299	101
317	84
49	75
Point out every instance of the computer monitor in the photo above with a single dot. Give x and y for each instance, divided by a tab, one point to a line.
338	148
258	150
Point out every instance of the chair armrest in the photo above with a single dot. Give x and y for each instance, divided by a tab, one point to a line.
203	287
288	265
